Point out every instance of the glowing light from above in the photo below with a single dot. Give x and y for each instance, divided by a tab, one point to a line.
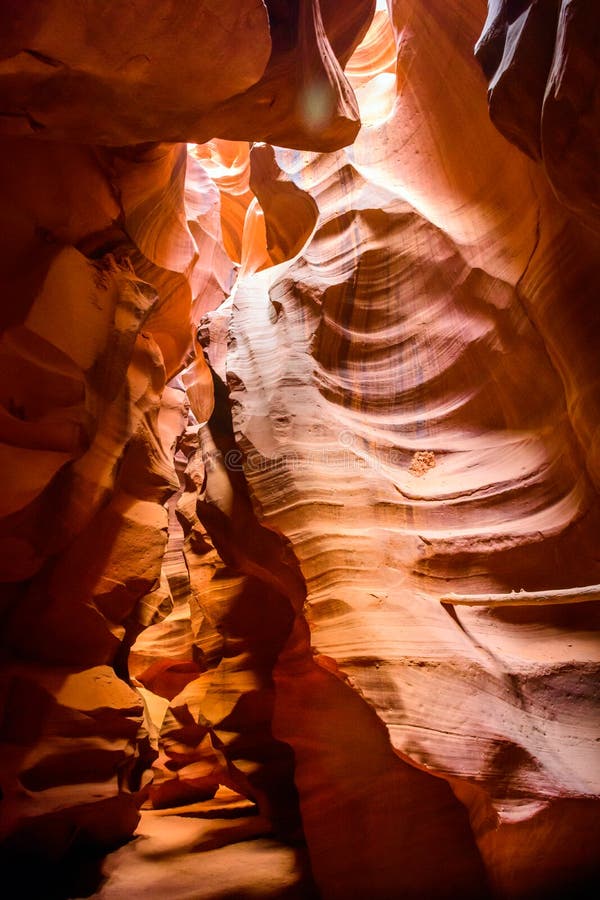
376	99
317	104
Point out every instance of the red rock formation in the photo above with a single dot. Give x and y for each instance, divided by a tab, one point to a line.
103	255
393	429
247	70
228	164
356	584
119	76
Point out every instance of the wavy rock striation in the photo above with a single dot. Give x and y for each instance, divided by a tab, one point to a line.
335	547
416	419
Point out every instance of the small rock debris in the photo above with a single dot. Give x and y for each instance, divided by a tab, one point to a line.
422	461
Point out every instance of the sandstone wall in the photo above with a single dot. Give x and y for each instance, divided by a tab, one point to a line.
358	561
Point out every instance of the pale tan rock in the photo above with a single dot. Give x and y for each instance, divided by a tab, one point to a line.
431	336
371	70
234	858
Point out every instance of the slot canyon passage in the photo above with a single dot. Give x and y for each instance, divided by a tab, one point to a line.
300	394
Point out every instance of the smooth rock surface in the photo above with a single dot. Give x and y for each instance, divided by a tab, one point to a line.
419	435
189	859
300	449
541	60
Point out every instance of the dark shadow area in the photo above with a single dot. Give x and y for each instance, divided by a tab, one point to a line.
32	877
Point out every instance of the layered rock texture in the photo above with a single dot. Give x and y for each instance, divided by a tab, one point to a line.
301	448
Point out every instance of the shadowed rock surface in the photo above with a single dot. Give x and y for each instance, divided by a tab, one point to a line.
300	443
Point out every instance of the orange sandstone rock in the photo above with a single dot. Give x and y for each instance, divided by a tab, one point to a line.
360	581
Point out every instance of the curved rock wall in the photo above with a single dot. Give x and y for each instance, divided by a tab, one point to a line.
112	241
415	418
365	592
541	60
